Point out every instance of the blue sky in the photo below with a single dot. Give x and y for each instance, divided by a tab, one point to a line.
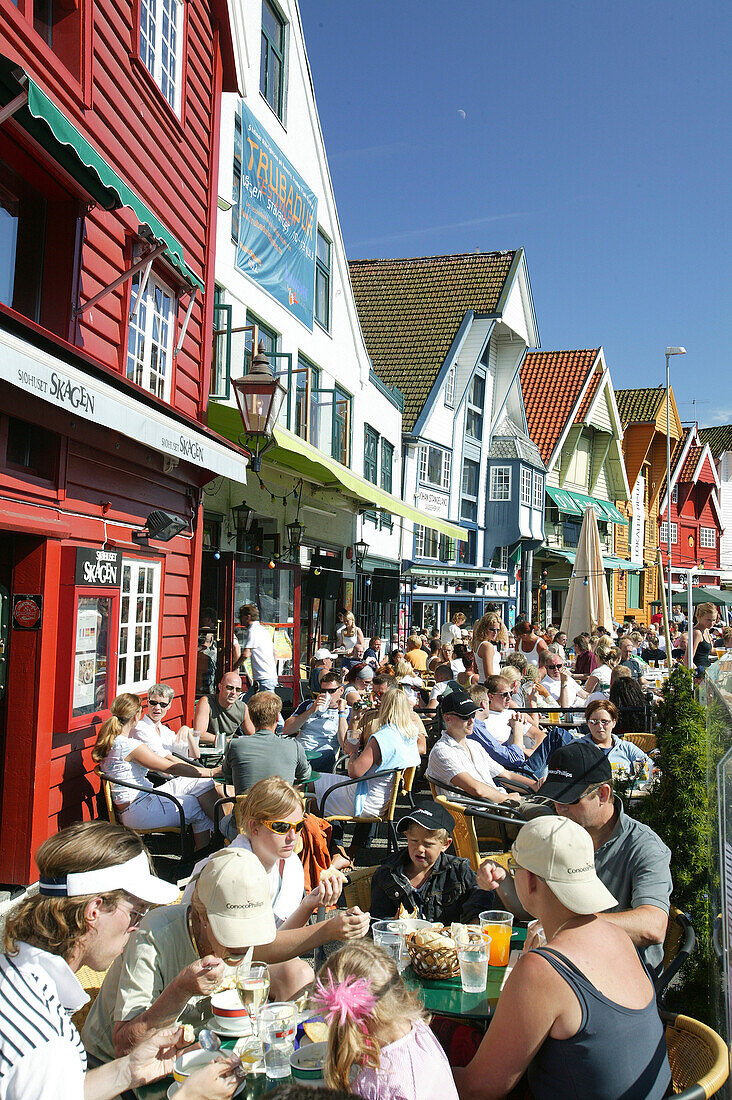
594	135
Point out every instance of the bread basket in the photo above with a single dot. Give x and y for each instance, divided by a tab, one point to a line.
432	962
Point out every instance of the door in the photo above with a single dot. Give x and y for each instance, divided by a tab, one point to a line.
276	592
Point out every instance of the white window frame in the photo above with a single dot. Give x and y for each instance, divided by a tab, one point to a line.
145	327
502	555
504	485
469	498
130	620
450	388
445	466
663	534
708	538
538	490
526	485
470	405
420	542
159	21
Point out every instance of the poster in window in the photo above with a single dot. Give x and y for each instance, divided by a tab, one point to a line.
90	655
348	595
278	217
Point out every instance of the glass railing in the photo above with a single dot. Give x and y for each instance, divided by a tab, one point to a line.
715	692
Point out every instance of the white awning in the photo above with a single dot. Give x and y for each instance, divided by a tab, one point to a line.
48	377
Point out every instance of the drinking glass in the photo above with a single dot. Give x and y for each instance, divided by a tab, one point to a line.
277	1027
253	988
389	935
473	950
496	925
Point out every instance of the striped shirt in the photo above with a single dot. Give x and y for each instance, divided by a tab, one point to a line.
41	1053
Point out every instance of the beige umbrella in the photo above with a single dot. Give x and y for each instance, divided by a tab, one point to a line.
588	603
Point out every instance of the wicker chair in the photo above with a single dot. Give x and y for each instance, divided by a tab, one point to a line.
357	890
698	1057
91	982
645	741
182	830
386	817
464	836
678	944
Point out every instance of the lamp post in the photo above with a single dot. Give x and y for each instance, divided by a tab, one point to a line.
259	396
669	352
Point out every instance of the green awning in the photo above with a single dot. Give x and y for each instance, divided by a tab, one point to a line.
300	457
450	572
564	501
50	127
609	561
574	504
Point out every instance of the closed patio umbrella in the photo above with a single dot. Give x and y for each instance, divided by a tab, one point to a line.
588	602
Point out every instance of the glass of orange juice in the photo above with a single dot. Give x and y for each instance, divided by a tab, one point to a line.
496	925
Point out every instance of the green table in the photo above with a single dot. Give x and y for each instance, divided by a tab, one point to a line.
445	997
255	1085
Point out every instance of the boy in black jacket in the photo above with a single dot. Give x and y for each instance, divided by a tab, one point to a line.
424	880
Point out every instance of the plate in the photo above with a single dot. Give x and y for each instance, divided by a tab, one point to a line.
235	1030
172	1090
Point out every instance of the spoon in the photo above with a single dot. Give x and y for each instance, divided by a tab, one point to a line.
208	1041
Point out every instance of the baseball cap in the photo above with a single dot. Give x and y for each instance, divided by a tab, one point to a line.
572	769
458	702
321	654
430	815
234	890
561	852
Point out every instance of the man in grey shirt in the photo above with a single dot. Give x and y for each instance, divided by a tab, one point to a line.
263	753
630	859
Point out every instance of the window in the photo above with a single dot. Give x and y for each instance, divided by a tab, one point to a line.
237	176
469	500
500	483
322	281
467	551
426	542
307	421
707	537
448	549
539	491
161	46
476	401
150	337
387	465
137	662
570	533
31	448
500	558
634	590
267	335
434	466
370	454
221	355
525	486
663	534
341	449
450	388
272	60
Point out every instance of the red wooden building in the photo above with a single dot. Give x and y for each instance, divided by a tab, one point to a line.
109	123
696	518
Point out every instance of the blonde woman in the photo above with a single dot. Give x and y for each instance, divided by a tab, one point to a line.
348	634
393	744
270	821
702	639
486	635
392	711
122	757
608	656
409	681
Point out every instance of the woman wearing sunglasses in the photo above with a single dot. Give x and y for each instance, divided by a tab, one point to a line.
601	719
270	819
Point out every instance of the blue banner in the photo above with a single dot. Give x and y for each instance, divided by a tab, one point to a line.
277	219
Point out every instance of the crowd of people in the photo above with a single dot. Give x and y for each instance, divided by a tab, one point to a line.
529	726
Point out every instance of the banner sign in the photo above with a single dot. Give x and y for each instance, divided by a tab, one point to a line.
431	503
278	217
638	526
98	568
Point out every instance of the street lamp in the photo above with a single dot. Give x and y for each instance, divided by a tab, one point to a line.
360	549
669	352
294	536
259	396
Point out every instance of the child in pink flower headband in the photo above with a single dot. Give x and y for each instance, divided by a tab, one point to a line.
379	1043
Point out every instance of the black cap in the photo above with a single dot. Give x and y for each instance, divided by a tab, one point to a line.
574	768
430	815
459	702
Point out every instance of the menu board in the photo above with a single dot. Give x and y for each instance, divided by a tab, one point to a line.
91	654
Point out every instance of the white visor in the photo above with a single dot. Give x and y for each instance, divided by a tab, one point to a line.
134	876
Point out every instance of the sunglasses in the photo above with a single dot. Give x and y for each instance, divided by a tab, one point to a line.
157	703
502	694
554	666
136	913
600	721
284	827
512	866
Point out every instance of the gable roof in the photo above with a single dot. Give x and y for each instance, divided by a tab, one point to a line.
411	309
718	438
686	473
640	406
552	383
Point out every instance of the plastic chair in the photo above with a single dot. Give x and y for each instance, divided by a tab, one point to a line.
678	944
385	818
698	1057
182	830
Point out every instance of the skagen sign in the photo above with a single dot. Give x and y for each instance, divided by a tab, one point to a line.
98	568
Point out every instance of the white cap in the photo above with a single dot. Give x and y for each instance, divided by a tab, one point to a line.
134	876
560	851
322	654
233	888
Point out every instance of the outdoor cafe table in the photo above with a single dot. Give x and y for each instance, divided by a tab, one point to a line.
254	1085
445	996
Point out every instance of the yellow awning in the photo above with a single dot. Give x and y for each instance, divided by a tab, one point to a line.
303	459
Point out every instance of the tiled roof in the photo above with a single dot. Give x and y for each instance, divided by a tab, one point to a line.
686	473
639	406
676	450
719	438
588	398
551	382
410	311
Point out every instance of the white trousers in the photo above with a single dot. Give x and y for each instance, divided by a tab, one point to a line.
148	811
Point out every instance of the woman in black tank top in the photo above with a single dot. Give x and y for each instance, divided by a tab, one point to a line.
704	619
578	1018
